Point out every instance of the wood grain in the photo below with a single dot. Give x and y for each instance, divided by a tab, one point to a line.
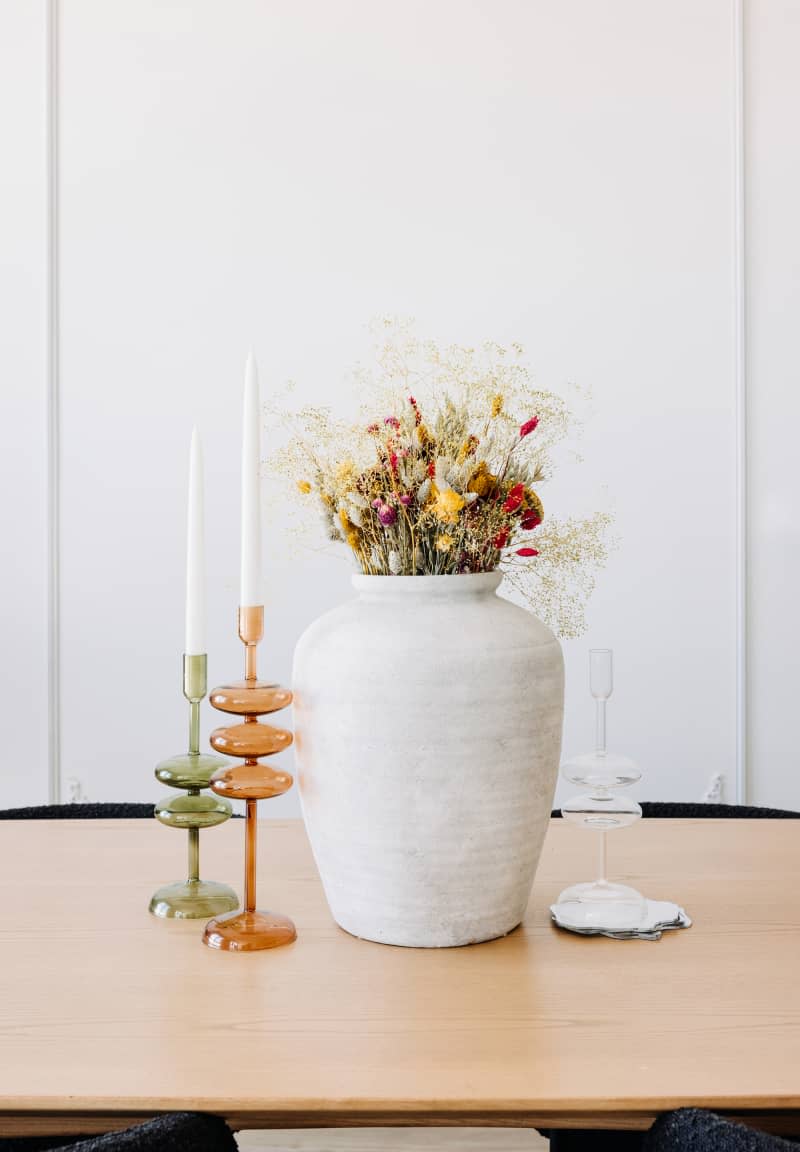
107	1013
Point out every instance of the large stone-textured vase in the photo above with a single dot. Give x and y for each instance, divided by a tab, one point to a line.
428	715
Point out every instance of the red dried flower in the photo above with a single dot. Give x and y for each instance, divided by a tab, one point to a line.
527	552
501	539
528	427
432	469
372	429
393	422
393	461
530	520
514	498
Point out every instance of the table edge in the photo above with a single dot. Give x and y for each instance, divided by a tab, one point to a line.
34	1119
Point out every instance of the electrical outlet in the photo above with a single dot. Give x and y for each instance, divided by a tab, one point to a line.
713	793
75	792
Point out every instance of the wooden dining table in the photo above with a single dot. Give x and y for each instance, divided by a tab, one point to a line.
109	1015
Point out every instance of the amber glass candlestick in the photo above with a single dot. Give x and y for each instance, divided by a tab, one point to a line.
192	810
249	930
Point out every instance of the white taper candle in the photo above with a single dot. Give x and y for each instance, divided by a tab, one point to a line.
195	642
251	593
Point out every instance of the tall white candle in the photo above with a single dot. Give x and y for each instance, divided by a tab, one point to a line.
195	643
251	594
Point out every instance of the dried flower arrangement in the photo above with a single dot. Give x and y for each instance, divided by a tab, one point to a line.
446	480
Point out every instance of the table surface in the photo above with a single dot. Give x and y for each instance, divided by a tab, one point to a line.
107	1013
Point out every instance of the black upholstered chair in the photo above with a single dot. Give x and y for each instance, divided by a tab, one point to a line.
173	1132
80	812
665	810
693	1130
106	811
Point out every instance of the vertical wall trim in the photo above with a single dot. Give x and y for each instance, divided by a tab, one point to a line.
53	409
740	369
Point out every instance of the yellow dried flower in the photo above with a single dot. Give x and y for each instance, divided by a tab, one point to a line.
482	481
304	487
345	471
497	405
467	448
532	503
349	530
425	438
446	504
444	542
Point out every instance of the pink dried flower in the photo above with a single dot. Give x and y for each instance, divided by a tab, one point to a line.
387	515
405	499
393	422
528	427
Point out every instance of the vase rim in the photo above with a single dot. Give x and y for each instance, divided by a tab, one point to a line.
466	582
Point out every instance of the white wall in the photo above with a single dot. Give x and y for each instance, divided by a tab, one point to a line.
773	165
557	172
24	689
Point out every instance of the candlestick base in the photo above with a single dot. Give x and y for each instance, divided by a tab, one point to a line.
602	904
190	899
249	931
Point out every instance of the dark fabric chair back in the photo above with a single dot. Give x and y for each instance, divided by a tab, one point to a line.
80	812
693	1130
174	1132
661	810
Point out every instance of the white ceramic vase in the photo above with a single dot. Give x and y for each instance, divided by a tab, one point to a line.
428	716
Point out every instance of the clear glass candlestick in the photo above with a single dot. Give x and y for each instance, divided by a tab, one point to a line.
602	902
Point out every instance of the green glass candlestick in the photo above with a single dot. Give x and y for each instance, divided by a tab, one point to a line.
192	810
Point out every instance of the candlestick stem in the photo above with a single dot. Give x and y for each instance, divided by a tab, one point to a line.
603	860
194	855
194	728
194	689
251	632
251	833
600	727
194	676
